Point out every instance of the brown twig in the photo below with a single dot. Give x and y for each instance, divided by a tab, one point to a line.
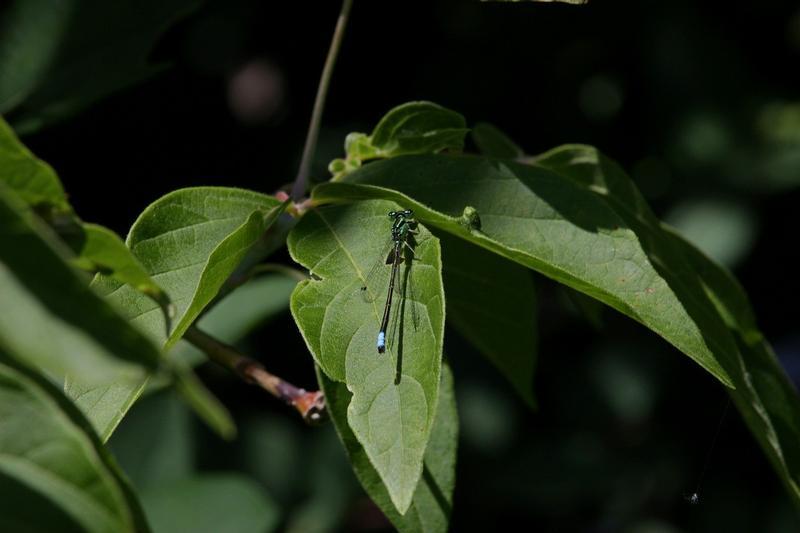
310	404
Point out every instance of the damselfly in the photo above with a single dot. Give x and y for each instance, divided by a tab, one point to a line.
400	250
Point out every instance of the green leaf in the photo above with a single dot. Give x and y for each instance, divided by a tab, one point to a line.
97	248
764	395
580	220
155	445
189	241
54	473
252	304
204	403
418	128
102	251
394	394
609	247
494	143
50	318
211	503
433	497
31	179
106	404
492	303
59	59
411	128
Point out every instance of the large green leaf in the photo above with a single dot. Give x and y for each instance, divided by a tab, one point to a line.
58	58
433	498
394	394
575	216
189	241
577	235
54	473
49	316
492	303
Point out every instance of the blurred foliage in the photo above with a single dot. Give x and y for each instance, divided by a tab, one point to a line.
699	103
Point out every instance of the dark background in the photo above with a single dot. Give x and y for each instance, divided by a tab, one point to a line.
699	101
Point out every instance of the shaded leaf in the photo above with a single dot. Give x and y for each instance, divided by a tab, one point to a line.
59	59
102	251
50	317
394	394
31	179
54	473
492	303
218	503
432	501
418	128
494	143
411	128
204	403
252	304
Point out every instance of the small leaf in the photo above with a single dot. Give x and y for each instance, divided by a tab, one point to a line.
50	317
492	303
211	503
418	128
494	143
394	394
432	501
54	473
411	128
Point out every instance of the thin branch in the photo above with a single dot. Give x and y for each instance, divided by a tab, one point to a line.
310	404
301	181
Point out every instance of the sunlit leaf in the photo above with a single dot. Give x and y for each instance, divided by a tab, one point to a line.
189	241
394	394
432	501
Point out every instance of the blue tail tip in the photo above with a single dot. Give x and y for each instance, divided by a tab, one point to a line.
381	342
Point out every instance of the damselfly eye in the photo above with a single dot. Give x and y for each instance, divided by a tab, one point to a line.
408	212
392	214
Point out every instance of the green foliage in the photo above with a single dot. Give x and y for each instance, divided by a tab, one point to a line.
57	59
84	335
219	503
494	143
190	241
432	499
394	394
412	128
55	475
492	303
482	223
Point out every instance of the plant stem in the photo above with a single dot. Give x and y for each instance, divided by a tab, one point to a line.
301	181
310	404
